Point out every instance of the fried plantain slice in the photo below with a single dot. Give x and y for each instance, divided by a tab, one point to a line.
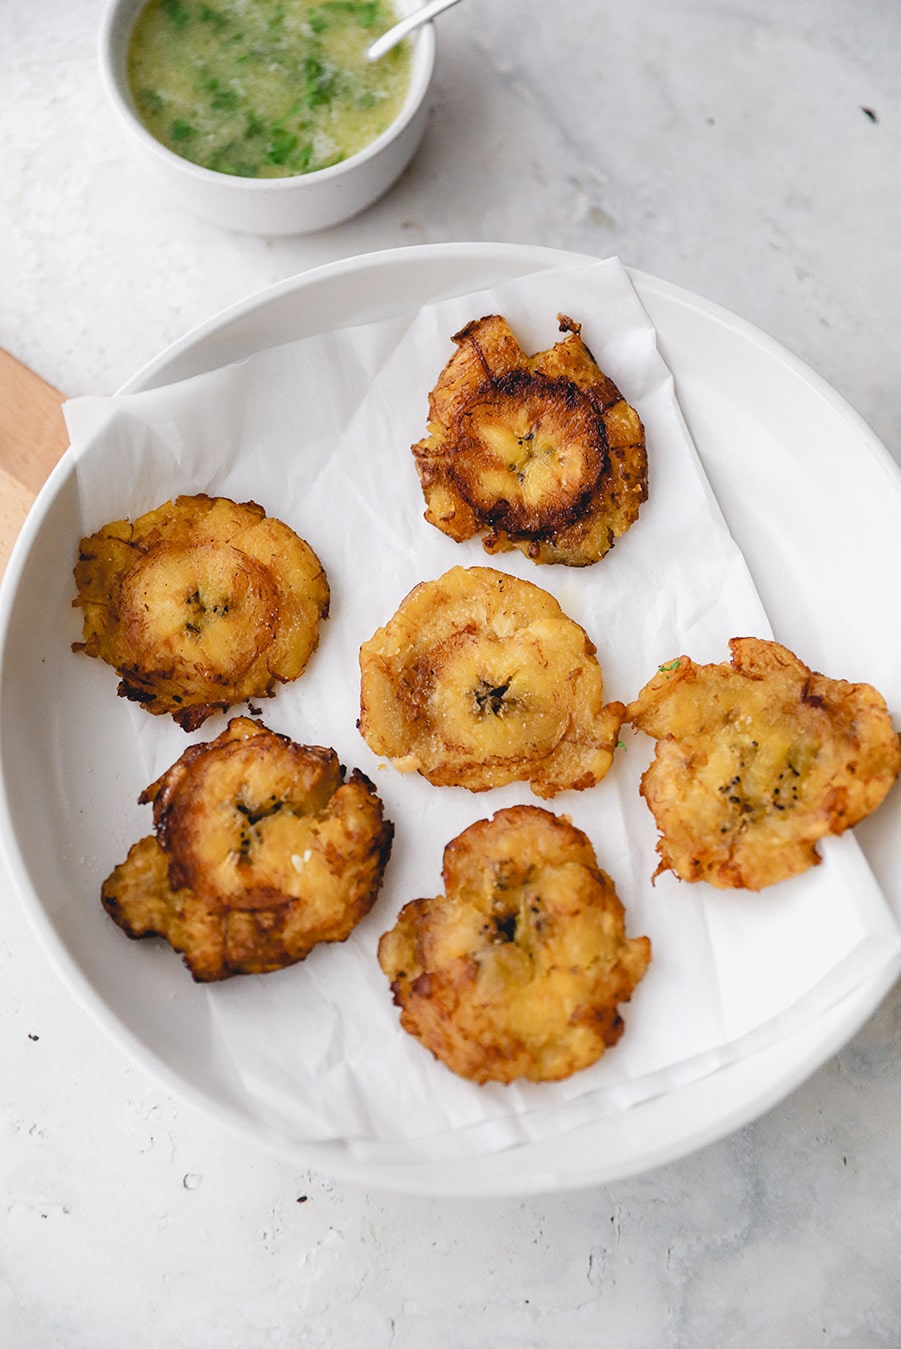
542	452
480	679
200	604
756	760
518	970
262	850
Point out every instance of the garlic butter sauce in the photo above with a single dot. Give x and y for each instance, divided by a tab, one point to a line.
265	88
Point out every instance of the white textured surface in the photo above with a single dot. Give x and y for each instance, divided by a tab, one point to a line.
725	147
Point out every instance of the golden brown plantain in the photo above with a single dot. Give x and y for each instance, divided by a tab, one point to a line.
200	604
517	970
262	850
757	760
480	679
542	452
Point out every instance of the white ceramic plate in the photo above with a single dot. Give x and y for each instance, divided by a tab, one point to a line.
813	499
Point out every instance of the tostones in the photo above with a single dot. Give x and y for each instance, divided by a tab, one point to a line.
757	760
517	970
200	604
480	679
262	850
542	452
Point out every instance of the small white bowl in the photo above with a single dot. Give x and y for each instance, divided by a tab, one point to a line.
296	205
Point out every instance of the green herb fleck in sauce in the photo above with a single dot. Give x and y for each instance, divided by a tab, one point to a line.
265	90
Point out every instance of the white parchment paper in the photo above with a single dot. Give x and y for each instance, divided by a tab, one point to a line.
318	432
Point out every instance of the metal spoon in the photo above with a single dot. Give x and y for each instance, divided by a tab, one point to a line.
400	30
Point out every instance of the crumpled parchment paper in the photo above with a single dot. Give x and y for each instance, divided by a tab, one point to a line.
318	432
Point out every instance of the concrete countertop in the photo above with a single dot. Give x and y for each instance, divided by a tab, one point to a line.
749	153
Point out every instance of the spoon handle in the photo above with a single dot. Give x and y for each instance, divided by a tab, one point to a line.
400	30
